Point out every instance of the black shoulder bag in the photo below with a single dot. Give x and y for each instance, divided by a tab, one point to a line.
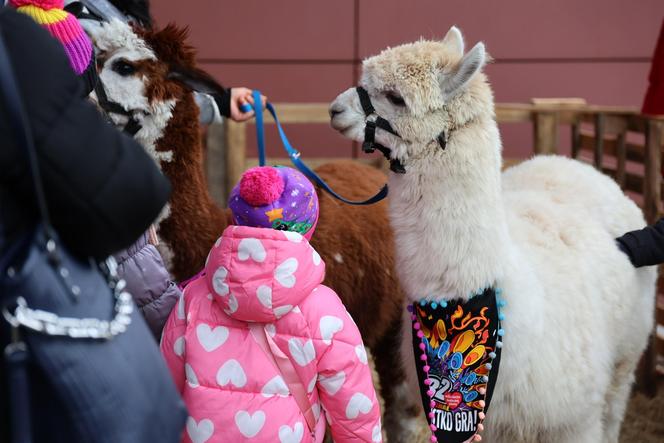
82	365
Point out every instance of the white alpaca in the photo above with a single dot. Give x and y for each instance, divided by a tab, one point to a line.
578	313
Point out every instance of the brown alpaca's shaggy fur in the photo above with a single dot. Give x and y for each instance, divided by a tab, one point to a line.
195	221
355	242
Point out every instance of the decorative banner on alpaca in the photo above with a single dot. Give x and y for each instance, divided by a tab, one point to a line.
462	360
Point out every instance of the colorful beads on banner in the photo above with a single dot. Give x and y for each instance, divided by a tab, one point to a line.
463	355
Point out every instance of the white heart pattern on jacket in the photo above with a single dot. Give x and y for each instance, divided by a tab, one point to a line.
219	281
330	325
312	384
271	329
199	432
291	435
190	375
232	305
181	307
210	339
294	237
361	353
231	372
249	424
376	434
251	248
316	257
264	294
285	273
276	386
316	410
178	346
333	383
282	310
359	403
303	353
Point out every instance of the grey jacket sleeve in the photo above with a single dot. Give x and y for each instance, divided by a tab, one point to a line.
148	281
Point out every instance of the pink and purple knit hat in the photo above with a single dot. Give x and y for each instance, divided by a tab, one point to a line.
65	27
275	197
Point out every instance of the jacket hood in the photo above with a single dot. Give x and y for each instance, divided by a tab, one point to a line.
259	274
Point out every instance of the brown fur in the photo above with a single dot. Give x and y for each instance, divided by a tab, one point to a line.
170	45
355	242
195	221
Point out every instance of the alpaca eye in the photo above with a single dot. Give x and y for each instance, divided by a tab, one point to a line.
123	68
395	99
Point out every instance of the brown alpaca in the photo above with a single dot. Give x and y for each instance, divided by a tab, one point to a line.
355	242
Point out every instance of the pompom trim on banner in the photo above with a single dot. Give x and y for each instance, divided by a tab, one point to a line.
457	351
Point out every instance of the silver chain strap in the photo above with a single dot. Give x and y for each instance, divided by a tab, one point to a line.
50	324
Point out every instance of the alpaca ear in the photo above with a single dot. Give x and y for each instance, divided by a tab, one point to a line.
196	80
469	65
454	40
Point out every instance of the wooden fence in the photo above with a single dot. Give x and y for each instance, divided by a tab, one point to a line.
600	135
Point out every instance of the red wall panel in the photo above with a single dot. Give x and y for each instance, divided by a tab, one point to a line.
293	82
519	28
314	140
259	29
599	83
305	51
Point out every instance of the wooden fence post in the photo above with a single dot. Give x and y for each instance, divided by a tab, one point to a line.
236	148
652	191
576	138
621	155
599	140
545	132
215	164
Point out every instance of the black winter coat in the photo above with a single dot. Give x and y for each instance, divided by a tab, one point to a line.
644	247
102	189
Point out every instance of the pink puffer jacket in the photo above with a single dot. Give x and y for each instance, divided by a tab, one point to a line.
233	391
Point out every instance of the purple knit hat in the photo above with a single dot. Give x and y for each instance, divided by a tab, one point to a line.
65	27
275	197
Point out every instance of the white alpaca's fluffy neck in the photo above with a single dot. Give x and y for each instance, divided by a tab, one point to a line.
448	217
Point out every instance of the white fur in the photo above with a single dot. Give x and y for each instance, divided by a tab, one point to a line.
578	313
454	41
115	35
117	41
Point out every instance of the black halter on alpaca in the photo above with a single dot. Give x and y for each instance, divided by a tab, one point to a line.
370	145
133	125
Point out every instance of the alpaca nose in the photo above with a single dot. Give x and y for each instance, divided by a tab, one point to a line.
334	112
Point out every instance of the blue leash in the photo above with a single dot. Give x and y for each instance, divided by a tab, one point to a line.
294	155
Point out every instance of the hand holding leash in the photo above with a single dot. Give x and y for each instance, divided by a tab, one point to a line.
242	104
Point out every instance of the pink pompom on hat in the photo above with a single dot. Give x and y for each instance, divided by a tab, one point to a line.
62	25
275	197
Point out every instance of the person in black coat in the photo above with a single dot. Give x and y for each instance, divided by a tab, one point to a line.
644	247
102	189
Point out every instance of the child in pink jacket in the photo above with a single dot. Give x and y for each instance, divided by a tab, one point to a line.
258	347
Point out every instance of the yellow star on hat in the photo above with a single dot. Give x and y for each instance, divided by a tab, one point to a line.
275	214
